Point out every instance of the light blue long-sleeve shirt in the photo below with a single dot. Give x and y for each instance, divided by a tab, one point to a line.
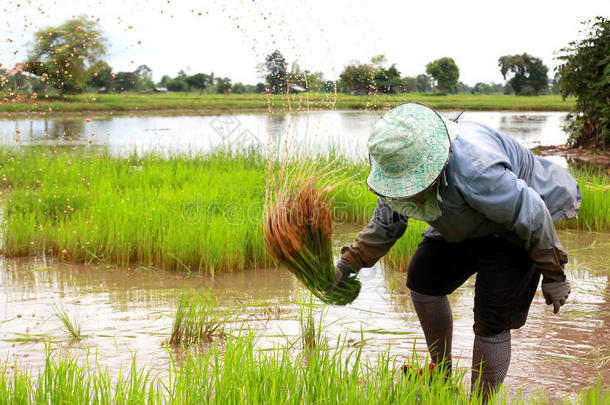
492	185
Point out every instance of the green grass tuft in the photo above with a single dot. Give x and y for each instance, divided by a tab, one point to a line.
186	213
197	320
219	103
236	372
70	324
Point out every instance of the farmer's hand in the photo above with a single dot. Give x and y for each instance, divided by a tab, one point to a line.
343	270
556	293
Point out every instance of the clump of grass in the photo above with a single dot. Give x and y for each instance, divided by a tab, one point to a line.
594	214
297	230
197	321
311	334
186	213
239	373
399	256
71	325
143	103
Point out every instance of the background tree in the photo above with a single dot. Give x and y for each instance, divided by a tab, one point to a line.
408	85
379	60
126	81
529	74
276	68
585	74
315	81
330	86
145	77
260	87
165	79
223	85
424	83
99	75
304	78
200	81
14	82
358	78
61	55
238	88
462	87
388	80
445	72
482	88
554	84
177	84
500	88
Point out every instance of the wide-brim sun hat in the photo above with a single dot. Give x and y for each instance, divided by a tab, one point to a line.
408	150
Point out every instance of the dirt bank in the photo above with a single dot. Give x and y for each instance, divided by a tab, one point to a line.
578	155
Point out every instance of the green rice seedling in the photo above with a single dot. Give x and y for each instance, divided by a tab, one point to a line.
297	230
399	256
310	333
197	321
597	394
594	212
237	372
152	103
185	213
70	324
178	213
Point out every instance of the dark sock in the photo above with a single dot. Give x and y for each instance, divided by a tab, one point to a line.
494	353
436	320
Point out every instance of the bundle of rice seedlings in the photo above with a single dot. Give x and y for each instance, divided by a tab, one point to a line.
297	231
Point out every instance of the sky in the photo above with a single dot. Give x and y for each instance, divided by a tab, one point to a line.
231	38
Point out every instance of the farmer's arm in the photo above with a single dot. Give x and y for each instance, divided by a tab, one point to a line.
374	241
501	196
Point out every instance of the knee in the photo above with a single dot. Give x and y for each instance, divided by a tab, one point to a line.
492	335
425	298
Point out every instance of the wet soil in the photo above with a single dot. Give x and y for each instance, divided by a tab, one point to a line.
123	312
577	156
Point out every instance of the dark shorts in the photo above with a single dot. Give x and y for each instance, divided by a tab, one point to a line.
506	281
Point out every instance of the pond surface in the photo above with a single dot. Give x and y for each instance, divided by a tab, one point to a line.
124	311
343	131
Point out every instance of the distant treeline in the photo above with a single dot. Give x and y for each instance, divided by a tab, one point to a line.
70	59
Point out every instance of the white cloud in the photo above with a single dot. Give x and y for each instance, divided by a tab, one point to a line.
231	37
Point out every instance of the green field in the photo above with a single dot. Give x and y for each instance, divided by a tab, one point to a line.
230	369
212	103
188	213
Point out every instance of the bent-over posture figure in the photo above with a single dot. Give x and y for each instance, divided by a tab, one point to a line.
491	206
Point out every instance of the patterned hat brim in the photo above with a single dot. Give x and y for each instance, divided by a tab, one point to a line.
418	180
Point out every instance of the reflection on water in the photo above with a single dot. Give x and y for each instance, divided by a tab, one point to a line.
343	131
130	310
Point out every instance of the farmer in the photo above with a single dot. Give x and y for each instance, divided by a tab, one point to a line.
491	206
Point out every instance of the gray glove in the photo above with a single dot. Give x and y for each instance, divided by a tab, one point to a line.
343	271
556	293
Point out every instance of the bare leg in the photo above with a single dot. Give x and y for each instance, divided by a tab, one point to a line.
434	313
490	361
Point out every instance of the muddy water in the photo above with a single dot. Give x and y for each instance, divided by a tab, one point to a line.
126	311
343	131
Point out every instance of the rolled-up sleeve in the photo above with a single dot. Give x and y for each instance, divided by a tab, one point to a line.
496	192
377	237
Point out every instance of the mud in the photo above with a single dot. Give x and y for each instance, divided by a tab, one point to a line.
123	312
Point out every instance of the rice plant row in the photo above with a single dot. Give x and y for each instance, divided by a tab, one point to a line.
236	372
187	213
